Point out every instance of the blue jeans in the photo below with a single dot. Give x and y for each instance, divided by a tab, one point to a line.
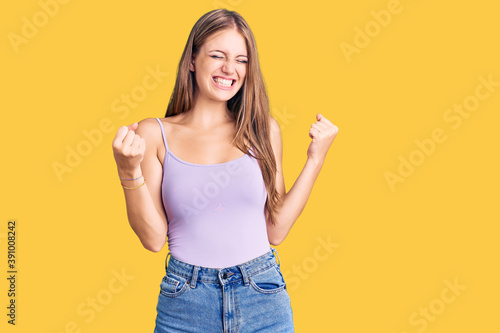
250	297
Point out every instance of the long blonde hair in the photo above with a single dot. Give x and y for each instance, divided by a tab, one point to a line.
250	104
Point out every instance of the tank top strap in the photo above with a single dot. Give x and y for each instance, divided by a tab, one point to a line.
163	134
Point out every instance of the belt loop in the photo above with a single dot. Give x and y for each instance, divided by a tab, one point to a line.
277	256
194	277
244	274
166	261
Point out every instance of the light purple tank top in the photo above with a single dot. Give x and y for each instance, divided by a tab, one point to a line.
215	212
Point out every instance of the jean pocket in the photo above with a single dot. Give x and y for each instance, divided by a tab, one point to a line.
269	281
173	285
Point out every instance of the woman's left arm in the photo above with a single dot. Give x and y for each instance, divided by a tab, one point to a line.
322	133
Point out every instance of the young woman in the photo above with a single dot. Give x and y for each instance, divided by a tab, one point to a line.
208	176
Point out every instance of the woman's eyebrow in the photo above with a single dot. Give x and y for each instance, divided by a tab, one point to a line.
241	55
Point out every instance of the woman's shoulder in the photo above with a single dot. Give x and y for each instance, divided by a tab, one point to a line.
150	123
149	129
171	120
275	134
274	128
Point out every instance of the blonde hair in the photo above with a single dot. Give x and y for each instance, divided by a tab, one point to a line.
250	105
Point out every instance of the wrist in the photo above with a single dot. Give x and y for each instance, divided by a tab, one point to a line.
316	163
129	173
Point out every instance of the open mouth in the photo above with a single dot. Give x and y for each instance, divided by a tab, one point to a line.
224	83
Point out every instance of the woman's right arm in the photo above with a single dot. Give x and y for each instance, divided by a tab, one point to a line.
135	152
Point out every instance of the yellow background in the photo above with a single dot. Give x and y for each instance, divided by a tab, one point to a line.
394	249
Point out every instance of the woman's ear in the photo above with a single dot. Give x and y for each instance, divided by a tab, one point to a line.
191	64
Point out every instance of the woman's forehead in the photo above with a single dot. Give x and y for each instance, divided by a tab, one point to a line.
227	41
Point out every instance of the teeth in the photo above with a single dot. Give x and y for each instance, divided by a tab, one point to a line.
223	82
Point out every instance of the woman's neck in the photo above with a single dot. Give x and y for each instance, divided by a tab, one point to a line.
208	113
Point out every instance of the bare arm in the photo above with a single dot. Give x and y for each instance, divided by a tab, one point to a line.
292	204
135	152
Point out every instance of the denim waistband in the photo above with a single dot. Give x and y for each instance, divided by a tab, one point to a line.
222	275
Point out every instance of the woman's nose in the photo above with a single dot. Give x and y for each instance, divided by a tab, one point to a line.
228	67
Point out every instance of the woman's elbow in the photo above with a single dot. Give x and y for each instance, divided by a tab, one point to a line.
275	240
154	246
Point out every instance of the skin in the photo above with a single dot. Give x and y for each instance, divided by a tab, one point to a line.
203	135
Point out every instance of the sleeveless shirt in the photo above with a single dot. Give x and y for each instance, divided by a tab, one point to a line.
215	212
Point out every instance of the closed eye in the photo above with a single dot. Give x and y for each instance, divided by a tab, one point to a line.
218	57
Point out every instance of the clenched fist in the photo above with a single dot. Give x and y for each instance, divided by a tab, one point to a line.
128	148
322	133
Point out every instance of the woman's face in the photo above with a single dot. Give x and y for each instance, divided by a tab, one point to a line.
221	65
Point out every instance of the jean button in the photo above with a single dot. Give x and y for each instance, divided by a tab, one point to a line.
224	275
